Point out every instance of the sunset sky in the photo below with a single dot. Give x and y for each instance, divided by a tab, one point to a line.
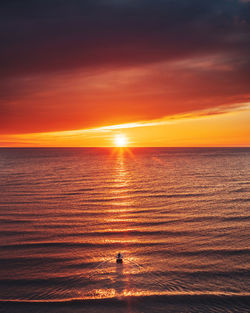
160	72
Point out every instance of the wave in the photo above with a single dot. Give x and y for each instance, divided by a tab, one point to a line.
178	195
14	221
235	218
243	190
218	252
77	245
125	232
69	281
99	233
174	297
238	200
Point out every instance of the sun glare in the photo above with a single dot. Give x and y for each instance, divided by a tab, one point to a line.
120	140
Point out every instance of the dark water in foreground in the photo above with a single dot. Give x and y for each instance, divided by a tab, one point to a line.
180	216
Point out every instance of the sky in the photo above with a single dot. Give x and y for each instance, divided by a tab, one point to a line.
160	72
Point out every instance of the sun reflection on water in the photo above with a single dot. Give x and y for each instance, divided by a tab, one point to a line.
117	220
123	204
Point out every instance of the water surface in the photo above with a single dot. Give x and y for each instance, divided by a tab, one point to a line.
179	216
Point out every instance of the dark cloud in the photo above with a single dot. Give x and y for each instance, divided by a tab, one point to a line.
58	35
52	37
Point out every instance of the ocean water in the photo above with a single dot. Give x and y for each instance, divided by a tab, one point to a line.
180	217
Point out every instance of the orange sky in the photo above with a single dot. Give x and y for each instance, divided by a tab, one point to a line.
224	129
178	70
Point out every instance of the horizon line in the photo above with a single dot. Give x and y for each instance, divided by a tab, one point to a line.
119	148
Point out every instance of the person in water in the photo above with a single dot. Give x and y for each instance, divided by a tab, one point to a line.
119	258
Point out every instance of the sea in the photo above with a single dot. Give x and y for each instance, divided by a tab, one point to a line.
179	216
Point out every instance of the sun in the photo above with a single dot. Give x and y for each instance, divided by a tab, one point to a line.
120	140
